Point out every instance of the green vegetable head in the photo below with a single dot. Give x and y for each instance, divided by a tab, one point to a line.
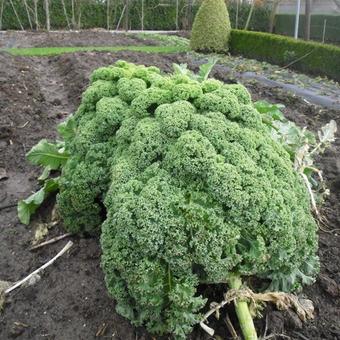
188	187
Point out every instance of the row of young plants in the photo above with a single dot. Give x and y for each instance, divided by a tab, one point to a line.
189	183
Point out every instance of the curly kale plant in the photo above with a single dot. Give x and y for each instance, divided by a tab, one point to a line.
188	187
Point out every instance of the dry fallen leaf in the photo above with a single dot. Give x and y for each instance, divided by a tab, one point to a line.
3	174
40	232
3	286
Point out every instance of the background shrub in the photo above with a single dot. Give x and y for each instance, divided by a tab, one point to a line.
211	28
156	16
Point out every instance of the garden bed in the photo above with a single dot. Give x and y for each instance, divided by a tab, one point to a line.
98	37
70	301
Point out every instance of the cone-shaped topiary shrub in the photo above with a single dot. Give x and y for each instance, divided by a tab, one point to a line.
188	187
211	28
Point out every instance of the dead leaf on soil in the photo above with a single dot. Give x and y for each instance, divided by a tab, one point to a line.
55	217
3	286
42	230
3	174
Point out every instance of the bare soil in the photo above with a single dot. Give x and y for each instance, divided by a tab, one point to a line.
70	301
95	37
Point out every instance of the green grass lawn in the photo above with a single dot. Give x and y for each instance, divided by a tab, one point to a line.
47	51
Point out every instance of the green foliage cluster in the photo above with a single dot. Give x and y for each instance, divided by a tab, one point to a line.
284	24
188	187
314	58
156	15
93	14
211	28
52	157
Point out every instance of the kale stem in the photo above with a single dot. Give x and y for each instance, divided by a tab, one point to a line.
243	314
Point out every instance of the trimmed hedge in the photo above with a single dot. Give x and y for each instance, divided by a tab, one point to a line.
285	23
318	59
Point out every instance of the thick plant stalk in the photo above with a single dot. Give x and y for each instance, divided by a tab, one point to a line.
243	314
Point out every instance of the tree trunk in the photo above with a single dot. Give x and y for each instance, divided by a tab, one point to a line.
17	16
108	15
177	15
79	16
308	8
142	18
115	12
121	17
189	15
249	15
273	15
47	11
127	9
36	14
73	15
1	13
65	13
28	14
237	9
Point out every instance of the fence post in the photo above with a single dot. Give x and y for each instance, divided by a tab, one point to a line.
324	30
297	19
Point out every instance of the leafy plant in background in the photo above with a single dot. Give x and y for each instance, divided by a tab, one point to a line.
302	145
191	183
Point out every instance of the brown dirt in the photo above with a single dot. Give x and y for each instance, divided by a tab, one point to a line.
69	38
70	301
